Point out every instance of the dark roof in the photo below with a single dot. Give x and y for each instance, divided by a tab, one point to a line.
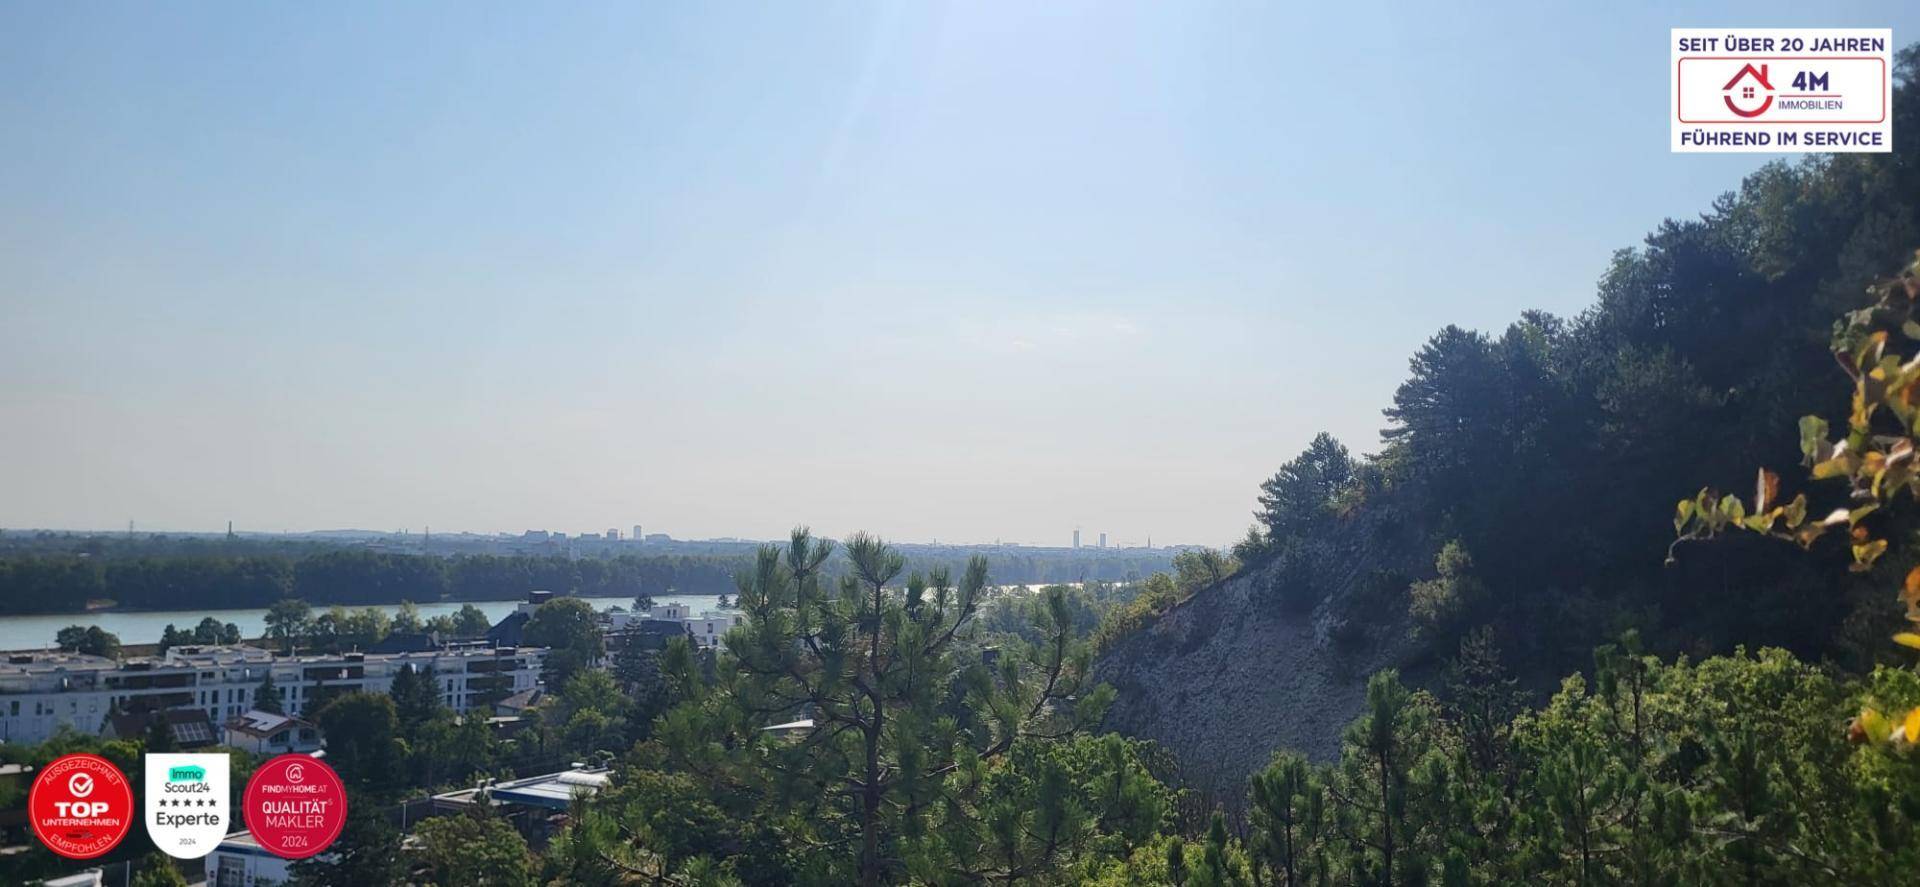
191	728
521	701
507	632
648	634
407	642
263	724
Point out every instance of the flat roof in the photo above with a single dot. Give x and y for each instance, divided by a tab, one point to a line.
553	791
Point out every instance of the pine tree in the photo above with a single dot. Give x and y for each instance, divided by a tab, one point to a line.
171	637
416	700
1288	813
1219	865
266	697
1298	500
159	736
1383	774
1586	796
902	719
1177	862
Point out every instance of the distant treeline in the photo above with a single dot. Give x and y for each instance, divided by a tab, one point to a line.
65	582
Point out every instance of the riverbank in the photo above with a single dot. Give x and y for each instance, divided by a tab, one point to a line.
36	631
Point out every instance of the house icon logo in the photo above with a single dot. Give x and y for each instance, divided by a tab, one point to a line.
1749	85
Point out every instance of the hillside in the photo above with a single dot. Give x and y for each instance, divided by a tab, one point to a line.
1223	682
1525	483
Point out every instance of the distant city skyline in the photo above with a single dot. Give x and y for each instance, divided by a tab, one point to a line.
621	536
942	270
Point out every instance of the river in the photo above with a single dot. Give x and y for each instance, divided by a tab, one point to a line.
135	627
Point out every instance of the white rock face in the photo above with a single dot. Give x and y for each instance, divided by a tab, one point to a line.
1226	678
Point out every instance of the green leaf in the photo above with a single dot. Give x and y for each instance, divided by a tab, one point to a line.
1813	436
1796	511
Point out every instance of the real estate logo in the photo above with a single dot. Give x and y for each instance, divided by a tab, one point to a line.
1781	89
295	806
80	806
188	803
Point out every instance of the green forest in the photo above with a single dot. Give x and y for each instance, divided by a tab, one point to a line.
162	574
1654	561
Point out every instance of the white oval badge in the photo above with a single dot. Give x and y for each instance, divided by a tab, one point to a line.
189	803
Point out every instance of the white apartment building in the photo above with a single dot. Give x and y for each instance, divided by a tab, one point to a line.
40	692
706	629
240	861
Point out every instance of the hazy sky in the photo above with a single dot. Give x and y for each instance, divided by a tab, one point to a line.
965	271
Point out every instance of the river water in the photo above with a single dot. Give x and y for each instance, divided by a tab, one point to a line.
37	631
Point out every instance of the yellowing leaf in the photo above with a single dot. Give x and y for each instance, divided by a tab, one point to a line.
1912	725
1865	554
1876	725
1807	534
1835	467
1908	639
1870	350
1681	514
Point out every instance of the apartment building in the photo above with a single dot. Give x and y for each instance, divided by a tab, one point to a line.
39	692
704	630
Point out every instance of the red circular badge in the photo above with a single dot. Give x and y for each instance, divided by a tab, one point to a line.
295	806
80	806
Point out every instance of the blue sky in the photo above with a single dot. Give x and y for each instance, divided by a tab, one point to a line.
966	271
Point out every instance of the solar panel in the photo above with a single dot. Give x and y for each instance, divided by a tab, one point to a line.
192	731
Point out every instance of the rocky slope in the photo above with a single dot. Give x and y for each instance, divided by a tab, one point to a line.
1226	677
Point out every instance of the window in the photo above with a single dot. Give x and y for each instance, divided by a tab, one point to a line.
232	872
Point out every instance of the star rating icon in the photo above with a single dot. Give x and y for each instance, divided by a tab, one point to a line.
186	802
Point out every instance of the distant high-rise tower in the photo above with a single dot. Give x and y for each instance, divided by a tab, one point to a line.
1076	537
1103	540
613	534
637	536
